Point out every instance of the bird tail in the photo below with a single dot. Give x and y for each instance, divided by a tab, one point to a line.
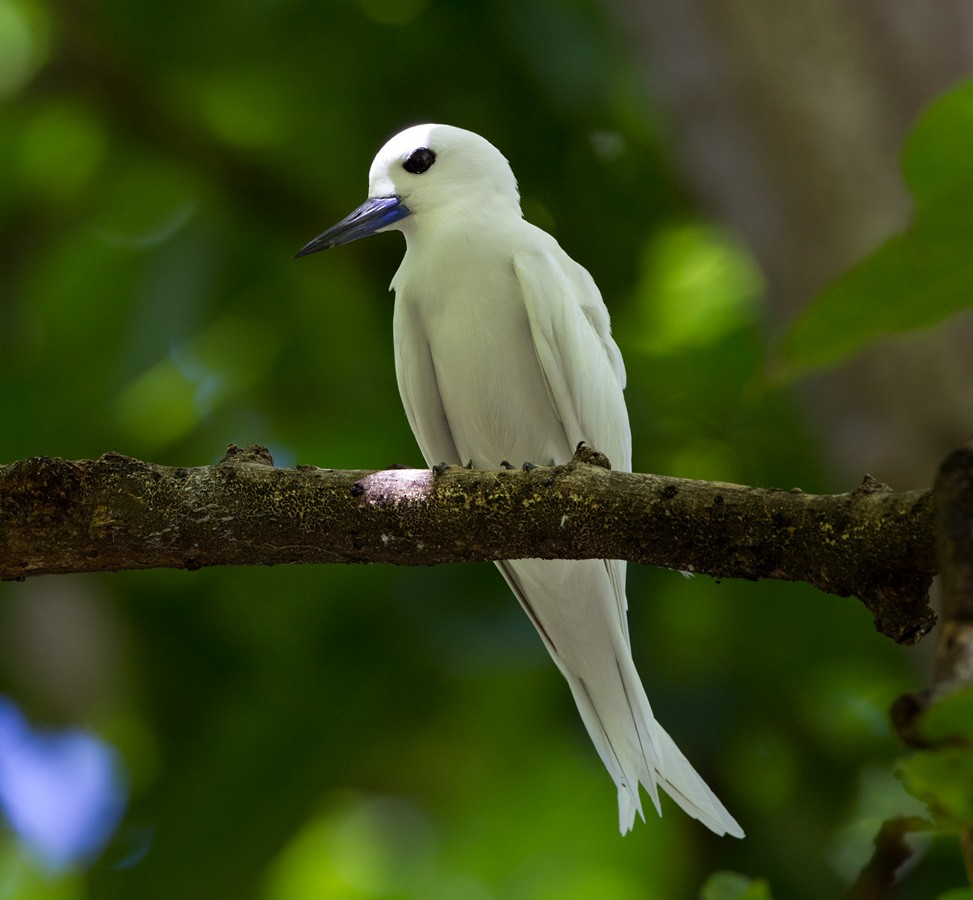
579	612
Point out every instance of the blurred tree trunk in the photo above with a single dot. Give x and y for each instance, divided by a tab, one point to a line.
788	119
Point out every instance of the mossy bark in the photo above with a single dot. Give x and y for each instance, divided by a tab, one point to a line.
116	513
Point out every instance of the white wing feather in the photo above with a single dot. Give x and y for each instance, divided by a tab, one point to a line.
582	366
418	387
581	362
585	376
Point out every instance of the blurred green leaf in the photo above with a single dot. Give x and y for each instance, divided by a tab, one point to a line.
734	886
942	778
950	717
169	399
937	154
23	878
247	107
24	42
915	279
62	146
698	284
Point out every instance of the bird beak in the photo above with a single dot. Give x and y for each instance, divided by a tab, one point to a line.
373	215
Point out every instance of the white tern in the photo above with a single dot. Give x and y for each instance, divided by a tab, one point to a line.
503	351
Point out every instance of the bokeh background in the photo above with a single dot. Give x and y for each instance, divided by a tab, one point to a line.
380	732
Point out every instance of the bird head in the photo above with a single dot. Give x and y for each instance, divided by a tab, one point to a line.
421	174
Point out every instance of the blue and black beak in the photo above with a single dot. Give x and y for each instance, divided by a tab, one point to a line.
373	215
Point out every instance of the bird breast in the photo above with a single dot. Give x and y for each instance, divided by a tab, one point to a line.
464	310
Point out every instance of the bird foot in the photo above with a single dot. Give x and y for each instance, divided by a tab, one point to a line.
443	466
527	466
585	453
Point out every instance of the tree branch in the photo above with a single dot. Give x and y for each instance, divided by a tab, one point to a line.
115	513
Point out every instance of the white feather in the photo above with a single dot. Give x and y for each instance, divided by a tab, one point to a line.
503	351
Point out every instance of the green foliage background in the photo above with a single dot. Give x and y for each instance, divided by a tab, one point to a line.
379	732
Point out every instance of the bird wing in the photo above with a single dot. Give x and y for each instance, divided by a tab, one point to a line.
581	363
585	377
419	387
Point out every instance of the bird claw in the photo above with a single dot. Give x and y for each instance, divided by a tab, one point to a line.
527	466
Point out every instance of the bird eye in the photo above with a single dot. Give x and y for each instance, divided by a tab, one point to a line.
419	160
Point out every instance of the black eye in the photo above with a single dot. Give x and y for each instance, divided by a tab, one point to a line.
419	160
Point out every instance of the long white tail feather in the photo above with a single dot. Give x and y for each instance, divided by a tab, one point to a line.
575	609
683	783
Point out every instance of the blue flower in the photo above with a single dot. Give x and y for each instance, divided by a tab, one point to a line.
61	791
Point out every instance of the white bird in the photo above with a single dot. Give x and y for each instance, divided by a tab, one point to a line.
503	351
